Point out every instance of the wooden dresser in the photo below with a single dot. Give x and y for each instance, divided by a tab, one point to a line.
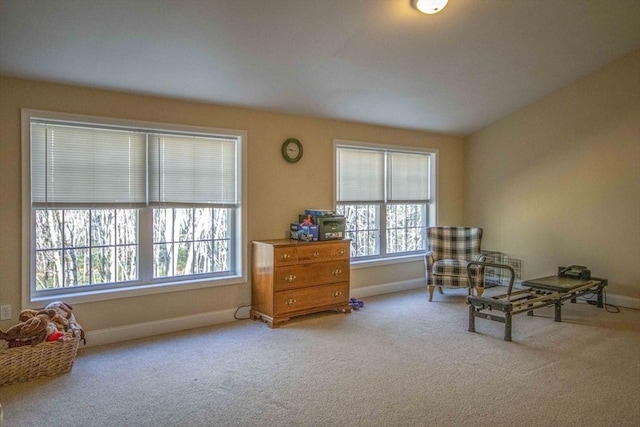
291	278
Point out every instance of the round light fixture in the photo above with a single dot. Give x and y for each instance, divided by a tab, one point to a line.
429	6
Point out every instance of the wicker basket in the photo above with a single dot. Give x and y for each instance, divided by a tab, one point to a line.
26	363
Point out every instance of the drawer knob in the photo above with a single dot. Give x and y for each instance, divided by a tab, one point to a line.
315	254
290	302
285	257
341	251
290	278
337	294
337	272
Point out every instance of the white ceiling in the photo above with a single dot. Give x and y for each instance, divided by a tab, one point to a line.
371	61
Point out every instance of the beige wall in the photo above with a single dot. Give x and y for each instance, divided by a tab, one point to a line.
558	182
277	191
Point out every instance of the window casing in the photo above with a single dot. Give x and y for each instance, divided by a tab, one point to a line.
387	195
112	205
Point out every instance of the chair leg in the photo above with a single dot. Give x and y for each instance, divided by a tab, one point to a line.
431	292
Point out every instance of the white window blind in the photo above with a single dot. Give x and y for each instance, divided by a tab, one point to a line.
84	166
192	170
360	175
78	165
408	177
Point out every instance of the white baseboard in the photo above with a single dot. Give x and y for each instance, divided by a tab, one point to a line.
622	301
166	326
159	327
387	288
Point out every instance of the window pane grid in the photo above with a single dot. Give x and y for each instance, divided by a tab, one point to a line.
72	253
406	227
362	228
177	253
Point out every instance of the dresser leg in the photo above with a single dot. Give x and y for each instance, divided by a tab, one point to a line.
345	309
275	323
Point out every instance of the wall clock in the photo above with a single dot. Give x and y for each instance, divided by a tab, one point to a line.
292	150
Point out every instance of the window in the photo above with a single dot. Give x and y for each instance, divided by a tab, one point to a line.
387	197
119	205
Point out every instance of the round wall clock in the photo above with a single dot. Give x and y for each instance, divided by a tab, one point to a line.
292	150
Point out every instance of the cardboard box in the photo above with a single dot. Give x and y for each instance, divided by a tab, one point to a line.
303	232
318	212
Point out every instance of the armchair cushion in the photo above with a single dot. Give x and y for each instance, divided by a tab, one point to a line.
450	267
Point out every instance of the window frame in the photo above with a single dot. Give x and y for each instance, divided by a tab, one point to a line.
143	286
432	205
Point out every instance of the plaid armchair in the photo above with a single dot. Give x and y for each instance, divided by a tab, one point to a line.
449	251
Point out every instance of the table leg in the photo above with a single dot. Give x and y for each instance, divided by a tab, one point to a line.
472	318
599	293
507	326
558	311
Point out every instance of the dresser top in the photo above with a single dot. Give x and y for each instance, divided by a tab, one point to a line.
292	242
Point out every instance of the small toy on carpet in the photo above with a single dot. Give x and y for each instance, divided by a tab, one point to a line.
356	304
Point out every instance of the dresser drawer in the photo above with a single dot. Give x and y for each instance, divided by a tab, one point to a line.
313	297
311	253
305	275
323	252
285	256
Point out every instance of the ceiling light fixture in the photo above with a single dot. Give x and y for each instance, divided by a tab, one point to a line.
429	6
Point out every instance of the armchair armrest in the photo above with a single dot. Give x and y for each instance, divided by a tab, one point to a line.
479	257
428	259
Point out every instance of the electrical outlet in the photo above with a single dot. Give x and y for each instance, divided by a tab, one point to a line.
5	312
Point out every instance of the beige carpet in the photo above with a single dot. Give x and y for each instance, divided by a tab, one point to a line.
400	361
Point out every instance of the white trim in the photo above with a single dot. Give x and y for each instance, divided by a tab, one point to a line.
167	326
433	207
388	288
241	221
25	213
389	147
622	301
126	123
159	327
